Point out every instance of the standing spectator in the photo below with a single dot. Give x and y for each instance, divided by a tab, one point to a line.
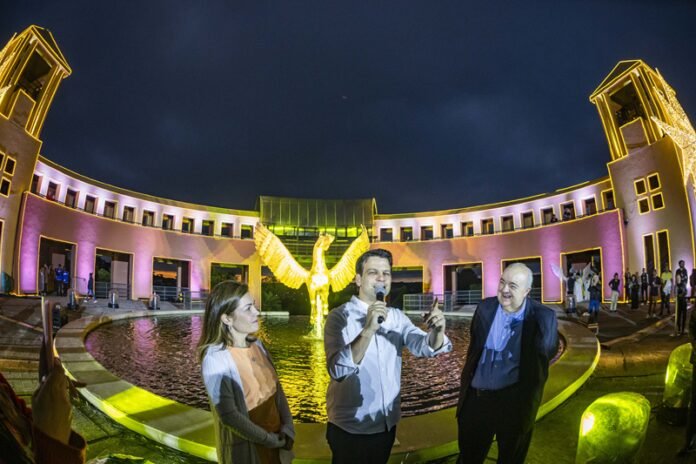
42	280
59	280
635	292
566	214
644	284
627	284
47	280
595	291
66	281
90	287
692	283
615	285
682	273
570	293
666	279
654	293
680	310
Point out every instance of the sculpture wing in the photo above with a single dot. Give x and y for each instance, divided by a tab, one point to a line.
558	272
274	255
586	271
344	271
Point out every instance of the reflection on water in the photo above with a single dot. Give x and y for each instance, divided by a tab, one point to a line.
158	354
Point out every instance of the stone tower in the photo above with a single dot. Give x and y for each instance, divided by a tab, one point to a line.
31	69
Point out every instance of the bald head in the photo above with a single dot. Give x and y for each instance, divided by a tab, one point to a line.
514	286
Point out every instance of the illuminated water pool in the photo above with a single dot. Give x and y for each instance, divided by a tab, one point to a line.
159	355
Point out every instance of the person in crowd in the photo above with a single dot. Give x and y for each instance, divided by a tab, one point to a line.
513	339
90	287
66	281
627	284
50	279
655	284
579	290
680	308
644	284
252	419
682	273
692	284
42	434
570	293
635	292
595	291
363	340
666	280
614	285
567	215
59	280
42	280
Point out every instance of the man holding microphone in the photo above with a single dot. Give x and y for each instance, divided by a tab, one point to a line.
363	340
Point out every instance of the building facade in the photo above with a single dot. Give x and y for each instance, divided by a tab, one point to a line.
640	215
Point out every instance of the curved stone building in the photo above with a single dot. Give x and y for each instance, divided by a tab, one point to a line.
638	216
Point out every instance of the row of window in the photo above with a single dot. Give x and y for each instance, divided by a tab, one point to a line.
507	222
110	210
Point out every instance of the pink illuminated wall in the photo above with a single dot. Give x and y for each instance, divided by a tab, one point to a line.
89	232
598	231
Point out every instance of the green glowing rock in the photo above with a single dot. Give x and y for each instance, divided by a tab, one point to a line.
612	429
678	379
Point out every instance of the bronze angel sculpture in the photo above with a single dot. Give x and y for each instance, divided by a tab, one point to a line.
319	278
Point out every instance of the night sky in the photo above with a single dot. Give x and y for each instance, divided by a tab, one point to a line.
424	105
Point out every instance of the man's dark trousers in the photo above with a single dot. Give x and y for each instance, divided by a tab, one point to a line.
492	412
350	448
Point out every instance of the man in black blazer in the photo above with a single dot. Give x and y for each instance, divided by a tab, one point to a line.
513	338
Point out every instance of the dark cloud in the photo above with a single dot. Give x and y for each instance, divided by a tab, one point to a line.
423	105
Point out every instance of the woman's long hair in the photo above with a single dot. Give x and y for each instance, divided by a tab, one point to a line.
223	299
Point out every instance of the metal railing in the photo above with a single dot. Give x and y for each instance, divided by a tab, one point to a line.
103	289
448	300
451	300
535	293
195	299
171	294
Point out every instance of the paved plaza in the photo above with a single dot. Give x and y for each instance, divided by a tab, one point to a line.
634	357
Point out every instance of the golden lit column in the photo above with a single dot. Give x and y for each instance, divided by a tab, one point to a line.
616	147
38	114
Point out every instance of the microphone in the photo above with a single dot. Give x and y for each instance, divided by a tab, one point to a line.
380	292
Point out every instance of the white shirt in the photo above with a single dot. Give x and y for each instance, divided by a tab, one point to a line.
365	398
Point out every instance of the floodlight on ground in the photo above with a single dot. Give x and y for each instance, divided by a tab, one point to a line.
113	299
677	394
72	304
613	428
154	301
